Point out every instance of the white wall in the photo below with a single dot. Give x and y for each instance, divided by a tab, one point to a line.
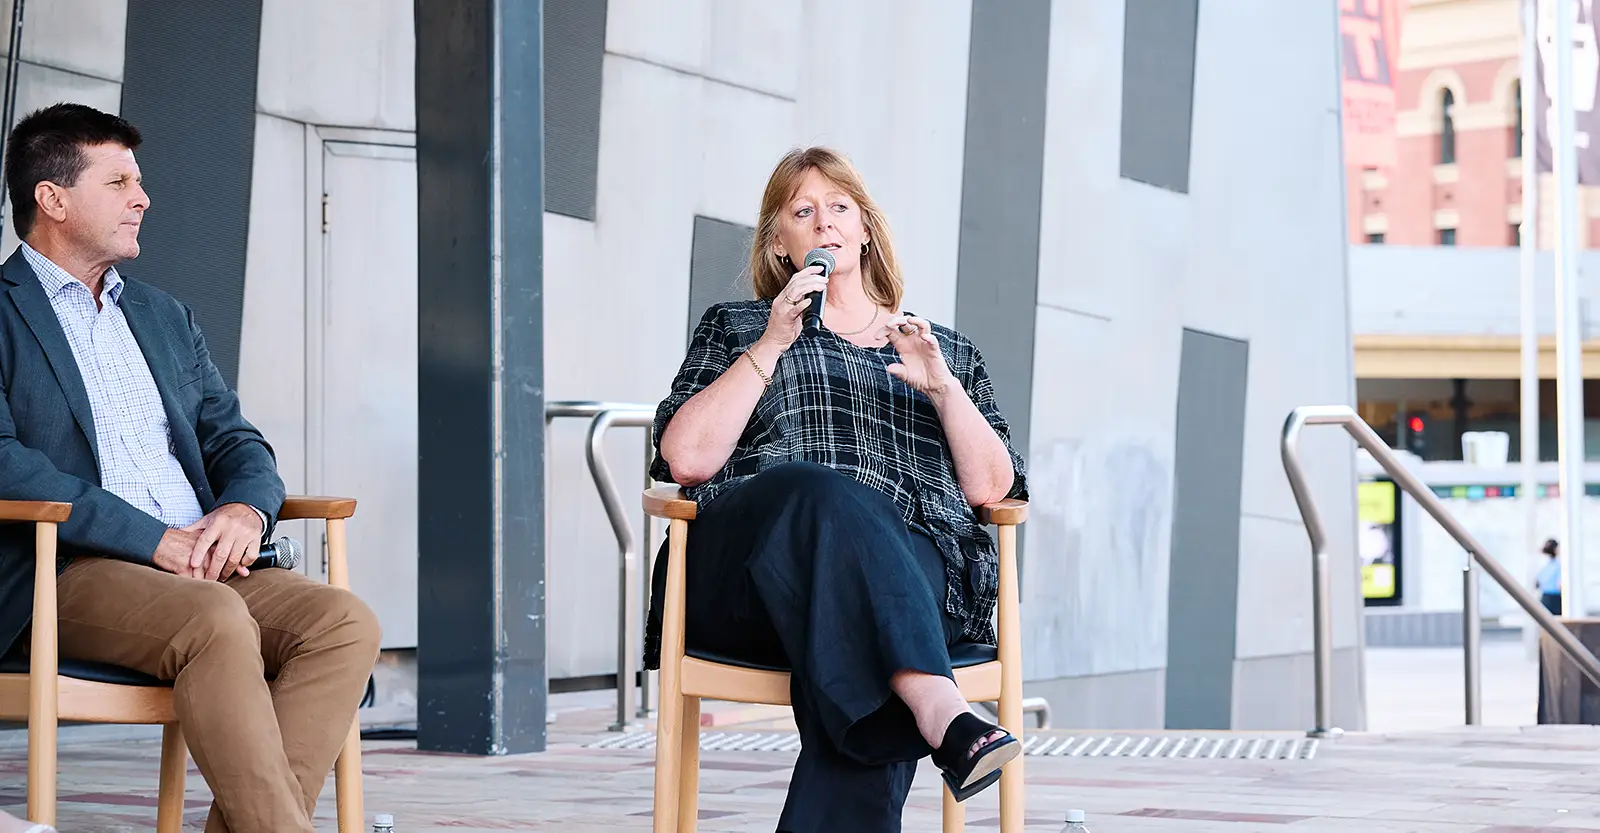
1253	252
696	110
72	50
1444	290
694	114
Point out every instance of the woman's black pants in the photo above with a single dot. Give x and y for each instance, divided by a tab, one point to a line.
803	567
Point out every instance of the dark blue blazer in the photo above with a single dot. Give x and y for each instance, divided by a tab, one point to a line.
47	439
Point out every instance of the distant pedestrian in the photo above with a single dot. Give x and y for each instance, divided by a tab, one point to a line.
1549	580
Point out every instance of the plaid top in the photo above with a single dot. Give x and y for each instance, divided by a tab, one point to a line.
834	403
132	440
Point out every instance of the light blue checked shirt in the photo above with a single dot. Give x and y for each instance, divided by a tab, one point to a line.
137	462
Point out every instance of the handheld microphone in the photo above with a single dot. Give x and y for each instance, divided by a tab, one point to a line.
284	553
811	319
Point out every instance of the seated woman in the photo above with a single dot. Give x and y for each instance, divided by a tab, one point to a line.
836	472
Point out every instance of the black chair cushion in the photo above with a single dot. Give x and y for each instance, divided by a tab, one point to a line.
963	654
93	672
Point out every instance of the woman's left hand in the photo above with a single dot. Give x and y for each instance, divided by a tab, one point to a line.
922	364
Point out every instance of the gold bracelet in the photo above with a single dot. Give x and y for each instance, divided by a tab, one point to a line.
766	381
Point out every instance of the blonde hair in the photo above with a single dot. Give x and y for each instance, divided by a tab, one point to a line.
880	270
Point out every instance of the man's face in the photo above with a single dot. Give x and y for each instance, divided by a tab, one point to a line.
107	205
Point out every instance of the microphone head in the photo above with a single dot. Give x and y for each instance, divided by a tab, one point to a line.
289	553
822	256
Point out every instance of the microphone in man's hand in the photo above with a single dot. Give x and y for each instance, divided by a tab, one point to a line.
811	319
284	553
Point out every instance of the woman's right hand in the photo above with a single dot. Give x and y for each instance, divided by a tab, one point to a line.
783	325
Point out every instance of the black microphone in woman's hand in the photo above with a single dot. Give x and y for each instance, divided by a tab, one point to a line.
811	319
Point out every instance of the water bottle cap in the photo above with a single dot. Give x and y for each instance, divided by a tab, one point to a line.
1074	817
383	818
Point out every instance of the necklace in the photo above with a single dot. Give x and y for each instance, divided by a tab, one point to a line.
876	311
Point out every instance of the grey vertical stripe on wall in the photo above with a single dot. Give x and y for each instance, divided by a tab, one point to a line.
1158	43
1203	588
997	269
574	49
190	87
719	264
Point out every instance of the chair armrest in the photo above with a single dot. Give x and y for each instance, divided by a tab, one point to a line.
1004	513
35	510
668	502
300	507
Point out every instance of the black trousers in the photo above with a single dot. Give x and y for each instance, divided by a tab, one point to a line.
1551	602
804	567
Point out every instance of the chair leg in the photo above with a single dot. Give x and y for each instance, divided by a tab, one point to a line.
955	814
42	764
669	720
43	685
669	753
689	761
1012	795
42	753
347	783
174	772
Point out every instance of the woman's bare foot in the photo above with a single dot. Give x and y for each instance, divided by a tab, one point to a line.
935	702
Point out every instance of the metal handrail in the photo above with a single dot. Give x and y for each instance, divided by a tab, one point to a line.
604	415
1321	610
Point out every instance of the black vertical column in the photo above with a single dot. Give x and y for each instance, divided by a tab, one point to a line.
481	685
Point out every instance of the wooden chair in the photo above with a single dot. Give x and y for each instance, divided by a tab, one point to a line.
983	672
45	689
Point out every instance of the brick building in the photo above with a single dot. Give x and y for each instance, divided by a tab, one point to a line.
1458	178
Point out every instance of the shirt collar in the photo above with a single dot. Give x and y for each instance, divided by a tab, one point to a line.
55	279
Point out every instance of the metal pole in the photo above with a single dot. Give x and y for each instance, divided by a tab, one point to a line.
627	568
1365	437
1472	644
13	63
1569	344
627	560
1321	614
646	558
1528	266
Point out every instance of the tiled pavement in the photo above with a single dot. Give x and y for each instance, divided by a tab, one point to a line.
1497	780
1447	779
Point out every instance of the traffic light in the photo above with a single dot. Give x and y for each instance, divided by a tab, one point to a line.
1417	435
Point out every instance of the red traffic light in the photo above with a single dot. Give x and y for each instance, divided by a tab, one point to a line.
1416	424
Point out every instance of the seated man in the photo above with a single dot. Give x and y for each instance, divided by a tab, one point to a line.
109	401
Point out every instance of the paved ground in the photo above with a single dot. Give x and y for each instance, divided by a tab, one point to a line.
1421	688
1495	779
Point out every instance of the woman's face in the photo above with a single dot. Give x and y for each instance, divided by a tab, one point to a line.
821	215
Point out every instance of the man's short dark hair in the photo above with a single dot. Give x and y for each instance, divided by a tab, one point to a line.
48	145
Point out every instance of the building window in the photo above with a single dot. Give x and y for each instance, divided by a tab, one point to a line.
1375	238
1516	134
1447	237
1447	129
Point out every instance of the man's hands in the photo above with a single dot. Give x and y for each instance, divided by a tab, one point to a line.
215	547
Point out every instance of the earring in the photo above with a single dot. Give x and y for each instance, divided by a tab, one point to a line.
786	261
864	247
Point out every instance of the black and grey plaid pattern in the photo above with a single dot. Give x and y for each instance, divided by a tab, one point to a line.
835	404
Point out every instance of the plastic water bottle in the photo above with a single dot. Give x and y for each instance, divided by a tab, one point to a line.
383	823
1074	822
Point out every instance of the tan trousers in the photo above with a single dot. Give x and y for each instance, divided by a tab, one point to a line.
265	748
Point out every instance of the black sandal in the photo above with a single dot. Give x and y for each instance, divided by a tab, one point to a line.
966	772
